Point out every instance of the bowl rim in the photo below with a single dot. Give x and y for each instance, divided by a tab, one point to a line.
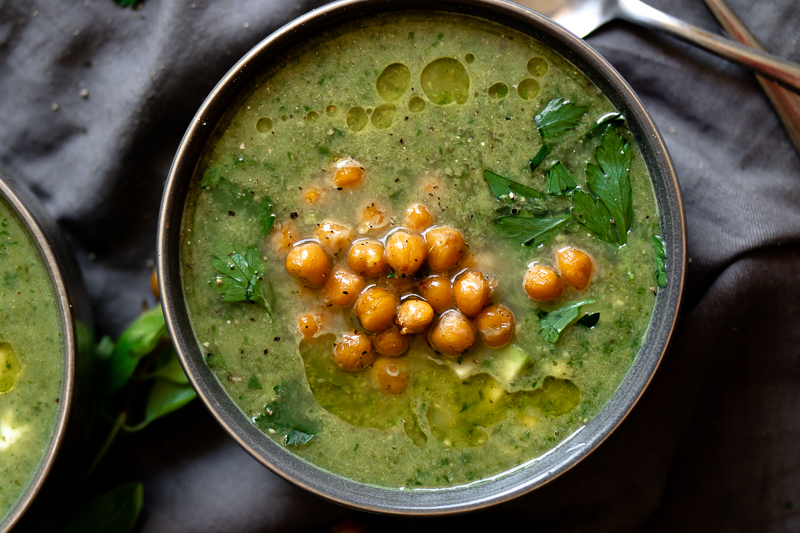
497	488
58	262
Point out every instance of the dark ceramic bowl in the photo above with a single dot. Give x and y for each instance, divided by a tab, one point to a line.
75	311
502	487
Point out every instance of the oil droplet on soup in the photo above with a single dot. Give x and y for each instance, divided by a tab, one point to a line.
445	81
393	82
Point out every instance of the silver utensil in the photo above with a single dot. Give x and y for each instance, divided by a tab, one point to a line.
582	17
786	103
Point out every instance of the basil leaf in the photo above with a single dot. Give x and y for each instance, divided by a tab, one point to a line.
241	279
115	511
297	436
559	180
661	256
539	157
530	231
164	398
594	216
554	322
505	188
141	338
611	182
589	320
558	117
609	119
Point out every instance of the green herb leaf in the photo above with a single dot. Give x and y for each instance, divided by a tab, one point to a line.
115	511
594	216
559	180
297	436
558	117
589	320
104	348
611	182
254	384
661	256
170	369
141	338
165	397
241	278
554	322
539	157
530	231
504	188
609	119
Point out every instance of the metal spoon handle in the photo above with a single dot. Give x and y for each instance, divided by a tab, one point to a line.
778	69
786	103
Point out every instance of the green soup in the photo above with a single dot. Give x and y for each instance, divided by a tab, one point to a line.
426	104
31	359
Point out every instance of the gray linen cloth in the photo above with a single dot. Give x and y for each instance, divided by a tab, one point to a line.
95	98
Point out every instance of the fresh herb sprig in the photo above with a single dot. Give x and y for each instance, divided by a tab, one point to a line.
558	117
661	256
509	190
554	322
530	230
241	278
559	180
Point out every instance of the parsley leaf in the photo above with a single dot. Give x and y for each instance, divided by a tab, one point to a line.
241	278
539	157
611	182
661	256
554	322
559	180
602	124
505	188
593	215
530	230
589	320
298	436
558	117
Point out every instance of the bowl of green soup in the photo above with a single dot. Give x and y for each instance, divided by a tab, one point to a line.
421	258
44	316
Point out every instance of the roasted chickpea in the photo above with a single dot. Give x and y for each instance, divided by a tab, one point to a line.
353	352
333	236
437	291
542	284
418	217
405	252
284	235
446	247
496	325
376	308
309	263
348	172
413	316
390	342
471	291
366	258
576	267
342	288
452	334
309	324
390	373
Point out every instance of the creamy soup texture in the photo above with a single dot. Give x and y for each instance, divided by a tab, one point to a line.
31	359
425	104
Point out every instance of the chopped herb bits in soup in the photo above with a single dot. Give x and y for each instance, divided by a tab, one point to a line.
421	251
31	359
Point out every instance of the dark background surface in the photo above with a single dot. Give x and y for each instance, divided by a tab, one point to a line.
712	446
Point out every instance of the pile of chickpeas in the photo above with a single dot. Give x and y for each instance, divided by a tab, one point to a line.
407	283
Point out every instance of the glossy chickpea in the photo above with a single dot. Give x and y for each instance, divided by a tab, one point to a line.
376	308
333	236
342	288
353	352
418	218
390	373
405	252
437	291
413	316
576	267
496	325
366	258
309	324
309	263
446	247
452	334
390	342
348	172
542	284
471	292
